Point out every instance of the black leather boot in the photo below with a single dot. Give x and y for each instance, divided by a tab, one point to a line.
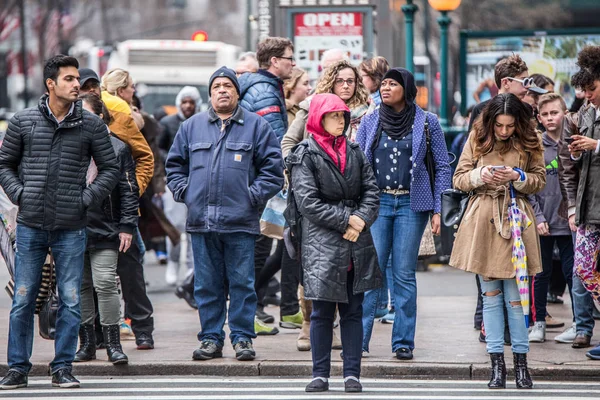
498	380
87	344
112	341
522	377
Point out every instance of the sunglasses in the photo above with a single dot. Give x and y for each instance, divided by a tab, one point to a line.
525	82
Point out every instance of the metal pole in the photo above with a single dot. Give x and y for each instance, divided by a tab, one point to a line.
24	53
248	25
409	10
444	22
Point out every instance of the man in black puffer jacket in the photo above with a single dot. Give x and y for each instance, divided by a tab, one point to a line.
43	163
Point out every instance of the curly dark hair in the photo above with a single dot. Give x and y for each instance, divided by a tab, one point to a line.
588	61
525	138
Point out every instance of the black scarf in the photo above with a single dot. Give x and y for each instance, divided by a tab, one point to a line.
399	124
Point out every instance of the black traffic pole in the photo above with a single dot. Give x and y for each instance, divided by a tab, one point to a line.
24	53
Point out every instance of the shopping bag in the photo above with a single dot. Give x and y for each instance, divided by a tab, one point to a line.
272	221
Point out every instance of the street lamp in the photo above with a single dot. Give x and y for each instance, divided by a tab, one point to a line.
444	6
409	10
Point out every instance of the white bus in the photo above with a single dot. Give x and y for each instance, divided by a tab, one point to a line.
160	68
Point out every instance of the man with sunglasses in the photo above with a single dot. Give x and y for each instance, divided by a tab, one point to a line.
511	76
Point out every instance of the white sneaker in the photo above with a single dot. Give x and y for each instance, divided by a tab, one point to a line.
568	336
171	273
538	333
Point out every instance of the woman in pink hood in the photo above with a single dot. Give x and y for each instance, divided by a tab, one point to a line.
337	196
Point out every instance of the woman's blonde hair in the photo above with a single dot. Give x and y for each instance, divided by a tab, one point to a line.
327	83
114	79
290	84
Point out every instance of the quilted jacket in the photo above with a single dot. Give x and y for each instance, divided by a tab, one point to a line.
262	93
43	166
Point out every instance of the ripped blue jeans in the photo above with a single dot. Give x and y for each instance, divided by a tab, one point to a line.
498	294
68	248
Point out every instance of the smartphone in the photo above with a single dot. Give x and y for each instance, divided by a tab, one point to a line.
497	167
569	140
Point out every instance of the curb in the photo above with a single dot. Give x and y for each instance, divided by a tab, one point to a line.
272	368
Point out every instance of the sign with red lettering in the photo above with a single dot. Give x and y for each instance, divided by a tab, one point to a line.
329	24
316	32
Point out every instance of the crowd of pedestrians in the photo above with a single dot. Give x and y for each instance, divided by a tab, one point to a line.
362	169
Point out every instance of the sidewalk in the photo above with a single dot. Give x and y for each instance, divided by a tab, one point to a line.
446	348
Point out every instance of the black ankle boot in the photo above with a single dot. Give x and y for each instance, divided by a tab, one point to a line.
522	377
87	344
498	380
112	340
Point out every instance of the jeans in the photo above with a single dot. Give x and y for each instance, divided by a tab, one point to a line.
583	306
217	257
137	304
493	316
385	293
68	248
321	333
397	230
541	281
100	273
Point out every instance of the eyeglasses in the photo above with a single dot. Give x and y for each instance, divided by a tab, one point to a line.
349	82
292	59
525	82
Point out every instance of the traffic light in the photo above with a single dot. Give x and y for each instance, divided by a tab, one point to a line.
200	36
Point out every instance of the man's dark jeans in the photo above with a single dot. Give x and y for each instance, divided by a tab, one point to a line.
221	257
321	333
137	304
290	278
68	248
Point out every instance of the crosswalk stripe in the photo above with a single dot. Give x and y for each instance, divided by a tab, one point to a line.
330	395
199	380
225	389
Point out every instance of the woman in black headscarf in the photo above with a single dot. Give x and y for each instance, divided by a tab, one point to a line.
394	140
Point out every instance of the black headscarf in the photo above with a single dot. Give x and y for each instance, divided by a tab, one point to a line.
399	124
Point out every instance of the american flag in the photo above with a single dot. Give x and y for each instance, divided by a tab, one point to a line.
8	24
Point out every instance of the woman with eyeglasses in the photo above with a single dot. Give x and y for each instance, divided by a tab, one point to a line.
343	80
503	149
394	140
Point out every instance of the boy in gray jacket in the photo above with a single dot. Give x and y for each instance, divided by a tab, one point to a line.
552	228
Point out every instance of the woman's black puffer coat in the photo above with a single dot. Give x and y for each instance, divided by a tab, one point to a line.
326	198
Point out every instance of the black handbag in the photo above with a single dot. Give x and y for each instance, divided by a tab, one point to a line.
49	310
454	205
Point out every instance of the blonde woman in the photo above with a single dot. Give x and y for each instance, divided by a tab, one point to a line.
343	80
117	93
296	90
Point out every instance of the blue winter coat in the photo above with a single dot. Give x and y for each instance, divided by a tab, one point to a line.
224	179
262	93
421	198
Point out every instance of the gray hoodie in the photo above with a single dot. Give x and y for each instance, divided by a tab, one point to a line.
547	202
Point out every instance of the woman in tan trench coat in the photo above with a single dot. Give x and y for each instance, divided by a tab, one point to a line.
503	147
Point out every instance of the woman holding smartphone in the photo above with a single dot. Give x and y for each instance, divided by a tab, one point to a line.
503	148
